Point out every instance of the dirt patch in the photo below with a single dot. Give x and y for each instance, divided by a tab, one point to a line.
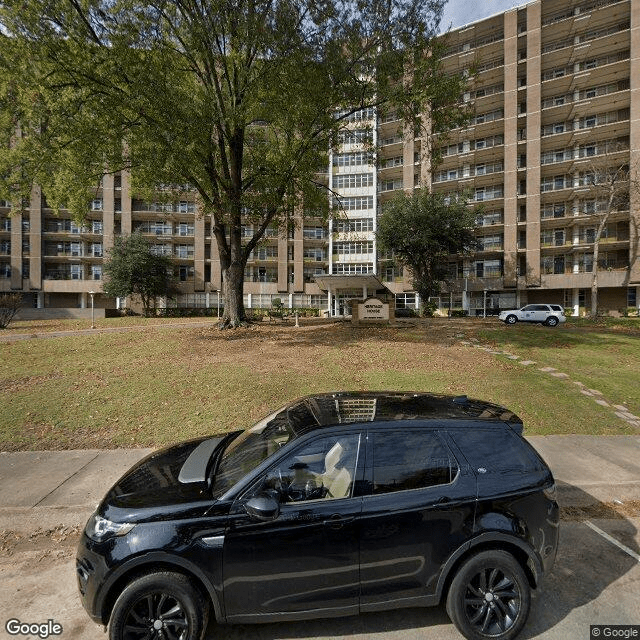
61	537
602	511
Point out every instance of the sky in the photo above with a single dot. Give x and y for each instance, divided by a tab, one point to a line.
461	12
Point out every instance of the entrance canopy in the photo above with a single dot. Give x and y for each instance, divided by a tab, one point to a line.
341	289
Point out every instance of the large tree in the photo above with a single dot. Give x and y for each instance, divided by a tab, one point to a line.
422	231
133	269
241	100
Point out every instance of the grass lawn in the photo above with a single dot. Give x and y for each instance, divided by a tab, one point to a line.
604	355
158	385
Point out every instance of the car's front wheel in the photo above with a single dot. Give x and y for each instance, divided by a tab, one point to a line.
489	597
552	321
511	319
158	606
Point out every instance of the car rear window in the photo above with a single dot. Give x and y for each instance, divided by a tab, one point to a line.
498	450
410	460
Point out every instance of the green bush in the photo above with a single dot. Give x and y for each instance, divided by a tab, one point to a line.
429	309
458	313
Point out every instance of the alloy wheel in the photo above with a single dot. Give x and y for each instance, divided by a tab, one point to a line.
492	602
156	616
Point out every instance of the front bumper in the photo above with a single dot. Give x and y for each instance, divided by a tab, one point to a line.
91	572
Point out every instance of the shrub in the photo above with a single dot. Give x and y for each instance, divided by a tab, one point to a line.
10	304
429	309
458	313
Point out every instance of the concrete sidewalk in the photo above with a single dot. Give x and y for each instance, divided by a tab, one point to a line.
587	469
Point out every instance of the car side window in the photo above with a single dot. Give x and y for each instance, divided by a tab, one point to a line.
497	450
529	307
324	468
410	460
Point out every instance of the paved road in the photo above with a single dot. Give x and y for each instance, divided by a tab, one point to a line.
45	498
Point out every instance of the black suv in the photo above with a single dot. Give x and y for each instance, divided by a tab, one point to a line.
336	504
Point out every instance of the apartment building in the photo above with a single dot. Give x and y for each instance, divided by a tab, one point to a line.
556	87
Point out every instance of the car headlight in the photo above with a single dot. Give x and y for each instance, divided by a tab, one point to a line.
101	529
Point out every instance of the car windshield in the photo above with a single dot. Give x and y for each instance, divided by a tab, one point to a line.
244	453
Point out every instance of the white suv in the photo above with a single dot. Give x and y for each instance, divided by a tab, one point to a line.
549	314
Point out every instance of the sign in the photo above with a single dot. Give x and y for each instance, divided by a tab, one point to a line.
373	309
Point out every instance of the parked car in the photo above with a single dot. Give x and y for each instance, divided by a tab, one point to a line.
333	505
549	314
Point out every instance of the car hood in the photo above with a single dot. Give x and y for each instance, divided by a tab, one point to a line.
168	480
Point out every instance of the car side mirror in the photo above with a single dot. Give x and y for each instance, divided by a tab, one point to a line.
263	507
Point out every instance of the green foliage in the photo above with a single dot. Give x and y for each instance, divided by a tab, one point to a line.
429	309
10	304
240	100
458	313
422	231
132	269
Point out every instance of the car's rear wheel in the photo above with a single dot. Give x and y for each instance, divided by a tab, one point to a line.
511	319
552	321
158	606
489	597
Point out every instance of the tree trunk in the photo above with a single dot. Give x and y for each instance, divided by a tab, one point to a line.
594	284
232	293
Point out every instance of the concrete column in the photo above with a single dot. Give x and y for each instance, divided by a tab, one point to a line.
125	225
364	293
576	302
298	250
291	301
248	301
283	261
35	239
83	300
39	300
533	142
108	211
510	146
634	139
329	302
16	251
198	253
638	299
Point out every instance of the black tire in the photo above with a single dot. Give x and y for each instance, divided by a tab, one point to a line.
489	597
551	321
159	606
511	319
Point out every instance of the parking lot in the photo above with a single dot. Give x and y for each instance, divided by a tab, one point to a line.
47	497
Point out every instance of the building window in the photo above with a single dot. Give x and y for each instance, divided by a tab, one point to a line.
314	233
96	204
356	203
318	254
632	300
96	272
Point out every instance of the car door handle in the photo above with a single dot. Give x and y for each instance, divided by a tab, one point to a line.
336	521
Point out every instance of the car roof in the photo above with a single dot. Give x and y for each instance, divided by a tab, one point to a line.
343	407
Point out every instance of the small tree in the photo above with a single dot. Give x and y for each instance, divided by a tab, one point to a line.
133	269
608	178
423	230
10	304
